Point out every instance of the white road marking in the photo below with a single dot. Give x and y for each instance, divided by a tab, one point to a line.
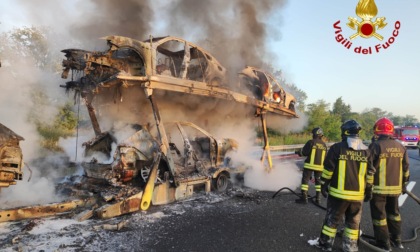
403	197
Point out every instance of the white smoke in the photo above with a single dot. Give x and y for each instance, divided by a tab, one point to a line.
29	93
79	25
282	174
39	190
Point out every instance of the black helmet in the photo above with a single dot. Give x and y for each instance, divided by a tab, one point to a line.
317	132
350	128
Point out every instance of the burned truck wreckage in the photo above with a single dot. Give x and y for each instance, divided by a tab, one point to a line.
161	162
172	64
11	157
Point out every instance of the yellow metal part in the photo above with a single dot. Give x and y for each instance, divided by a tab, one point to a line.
129	205
266	148
163	194
84	215
184	191
44	210
198	88
6	176
148	190
266	153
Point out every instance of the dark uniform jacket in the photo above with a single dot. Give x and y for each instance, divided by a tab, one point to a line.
391	162
347	171
315	151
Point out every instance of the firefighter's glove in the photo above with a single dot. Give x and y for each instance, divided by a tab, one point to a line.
368	193
297	152
324	190
404	184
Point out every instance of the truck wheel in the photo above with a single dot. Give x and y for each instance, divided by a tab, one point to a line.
221	182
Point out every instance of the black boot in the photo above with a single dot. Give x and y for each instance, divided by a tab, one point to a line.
396	242
303	199
318	198
350	245
384	246
325	243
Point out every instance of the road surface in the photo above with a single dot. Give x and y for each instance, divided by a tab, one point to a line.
241	220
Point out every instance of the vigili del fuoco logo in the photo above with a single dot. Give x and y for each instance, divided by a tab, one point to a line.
366	28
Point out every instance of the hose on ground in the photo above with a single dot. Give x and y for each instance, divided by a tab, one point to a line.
295	193
30	170
367	244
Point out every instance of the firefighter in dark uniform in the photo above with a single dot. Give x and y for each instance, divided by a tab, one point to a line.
374	137
391	162
315	151
346	179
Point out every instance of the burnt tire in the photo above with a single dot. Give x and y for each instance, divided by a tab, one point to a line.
221	182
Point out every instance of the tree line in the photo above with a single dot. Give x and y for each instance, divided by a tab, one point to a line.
321	114
329	118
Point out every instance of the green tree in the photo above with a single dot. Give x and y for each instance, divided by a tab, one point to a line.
298	93
332	128
366	119
63	126
317	112
33	42
320	116
397	120
36	49
342	110
38	45
378	113
409	120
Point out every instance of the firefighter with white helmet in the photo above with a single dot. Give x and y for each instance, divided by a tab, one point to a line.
348	170
390	159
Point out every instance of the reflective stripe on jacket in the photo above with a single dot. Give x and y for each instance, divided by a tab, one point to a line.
390	159
347	171
315	151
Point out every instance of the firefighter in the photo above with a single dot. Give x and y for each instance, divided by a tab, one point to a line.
314	150
347	180
374	137
391	162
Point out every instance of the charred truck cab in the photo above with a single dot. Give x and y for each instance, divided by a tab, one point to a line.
11	158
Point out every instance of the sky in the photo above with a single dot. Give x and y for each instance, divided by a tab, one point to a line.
323	68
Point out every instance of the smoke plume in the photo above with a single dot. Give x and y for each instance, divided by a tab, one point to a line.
21	81
235	32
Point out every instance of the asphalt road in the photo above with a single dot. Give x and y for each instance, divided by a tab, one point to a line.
254	221
242	219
